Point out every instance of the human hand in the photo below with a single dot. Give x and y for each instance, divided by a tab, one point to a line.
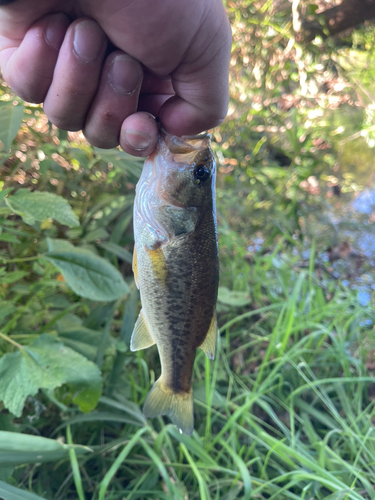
172	62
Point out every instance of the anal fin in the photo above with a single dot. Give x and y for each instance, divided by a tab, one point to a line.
208	346
141	336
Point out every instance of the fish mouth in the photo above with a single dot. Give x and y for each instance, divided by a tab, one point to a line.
187	146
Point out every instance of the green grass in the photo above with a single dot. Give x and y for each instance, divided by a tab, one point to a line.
284	411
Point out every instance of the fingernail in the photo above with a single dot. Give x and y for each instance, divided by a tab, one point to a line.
137	140
124	75
55	30
88	41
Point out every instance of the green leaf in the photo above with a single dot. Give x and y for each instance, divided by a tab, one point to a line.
121	160
47	364
8	492
6	308
97	234
10	122
200	395
4	192
12	277
117	250
55	245
5	473
233	298
39	206
9	238
274	172
82	340
17	449
87	274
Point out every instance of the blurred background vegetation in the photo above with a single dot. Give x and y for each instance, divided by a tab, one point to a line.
286	411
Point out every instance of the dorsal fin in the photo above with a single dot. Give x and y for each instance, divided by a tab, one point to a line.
208	346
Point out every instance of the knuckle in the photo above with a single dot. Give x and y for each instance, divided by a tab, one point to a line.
65	123
29	93
216	117
104	141
33	97
107	116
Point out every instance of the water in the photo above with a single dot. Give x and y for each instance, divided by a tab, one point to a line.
345	228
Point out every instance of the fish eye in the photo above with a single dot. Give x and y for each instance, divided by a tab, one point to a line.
201	174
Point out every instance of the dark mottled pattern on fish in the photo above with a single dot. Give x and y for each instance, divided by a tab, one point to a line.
182	308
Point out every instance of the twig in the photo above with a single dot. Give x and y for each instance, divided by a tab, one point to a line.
11	341
21	259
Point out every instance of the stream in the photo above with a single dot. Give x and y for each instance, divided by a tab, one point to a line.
347	223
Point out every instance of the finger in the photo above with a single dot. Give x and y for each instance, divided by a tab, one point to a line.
154	84
201	86
151	103
155	91
115	100
139	134
77	75
27	65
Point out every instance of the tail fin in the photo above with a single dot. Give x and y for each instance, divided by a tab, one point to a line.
161	400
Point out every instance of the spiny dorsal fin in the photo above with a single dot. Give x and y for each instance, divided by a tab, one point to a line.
208	346
135	267
141	336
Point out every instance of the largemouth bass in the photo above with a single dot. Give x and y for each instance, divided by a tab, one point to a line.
176	268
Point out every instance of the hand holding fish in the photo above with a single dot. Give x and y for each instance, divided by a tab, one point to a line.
171	61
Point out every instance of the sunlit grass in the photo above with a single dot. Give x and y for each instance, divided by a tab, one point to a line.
284	411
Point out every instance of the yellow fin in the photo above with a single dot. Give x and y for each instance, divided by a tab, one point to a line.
159	266
135	267
208	346
161	400
141	336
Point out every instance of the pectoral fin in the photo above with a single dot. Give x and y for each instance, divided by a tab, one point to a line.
141	336
135	267
208	346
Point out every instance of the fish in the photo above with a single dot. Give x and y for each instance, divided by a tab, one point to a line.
176	268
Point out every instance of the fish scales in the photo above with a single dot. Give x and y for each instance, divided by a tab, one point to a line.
176	268
182	308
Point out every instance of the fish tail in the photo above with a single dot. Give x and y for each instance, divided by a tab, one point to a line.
162	400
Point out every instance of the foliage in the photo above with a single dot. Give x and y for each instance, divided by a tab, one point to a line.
47	364
286	410
296	111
